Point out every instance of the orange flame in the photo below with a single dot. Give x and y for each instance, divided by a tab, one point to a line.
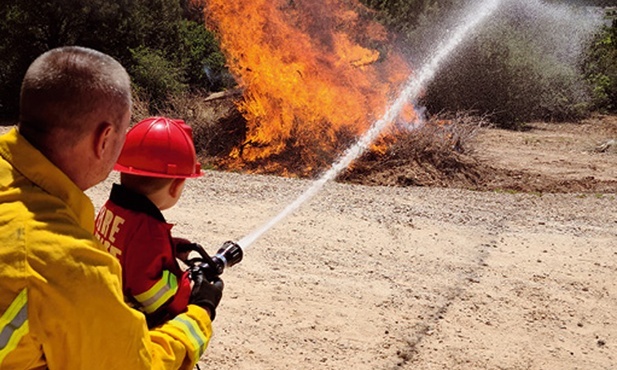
315	75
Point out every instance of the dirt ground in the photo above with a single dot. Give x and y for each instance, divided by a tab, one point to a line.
551	157
422	277
518	273
544	157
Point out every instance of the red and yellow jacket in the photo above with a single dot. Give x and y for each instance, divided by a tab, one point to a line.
61	302
134	230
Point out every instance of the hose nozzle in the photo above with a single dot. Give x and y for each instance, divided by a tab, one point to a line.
210	268
228	255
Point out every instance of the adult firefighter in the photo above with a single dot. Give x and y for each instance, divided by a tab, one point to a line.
61	302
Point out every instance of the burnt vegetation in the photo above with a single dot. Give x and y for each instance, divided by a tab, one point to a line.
437	153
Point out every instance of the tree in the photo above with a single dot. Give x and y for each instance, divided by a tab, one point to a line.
523	64
132	31
601	68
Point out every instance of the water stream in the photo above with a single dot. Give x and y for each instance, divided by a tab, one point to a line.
412	88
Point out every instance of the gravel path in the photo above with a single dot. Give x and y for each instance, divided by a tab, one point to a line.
414	278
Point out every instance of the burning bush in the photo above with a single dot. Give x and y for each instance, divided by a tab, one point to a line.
315	75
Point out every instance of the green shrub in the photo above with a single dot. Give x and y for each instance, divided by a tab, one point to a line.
601	68
523	64
200	57
163	43
154	77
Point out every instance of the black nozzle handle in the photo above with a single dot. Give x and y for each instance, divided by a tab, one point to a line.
210	268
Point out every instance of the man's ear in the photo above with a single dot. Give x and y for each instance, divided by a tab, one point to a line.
176	187
102	138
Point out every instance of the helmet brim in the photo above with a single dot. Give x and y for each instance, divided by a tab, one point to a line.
133	171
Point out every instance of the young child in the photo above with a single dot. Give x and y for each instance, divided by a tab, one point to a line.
157	158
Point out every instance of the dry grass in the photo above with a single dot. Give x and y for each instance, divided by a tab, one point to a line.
217	124
438	151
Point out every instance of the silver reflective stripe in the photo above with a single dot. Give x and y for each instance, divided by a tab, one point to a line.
13	324
159	293
192	331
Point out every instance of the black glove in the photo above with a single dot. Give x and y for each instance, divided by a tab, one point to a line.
185	247
207	294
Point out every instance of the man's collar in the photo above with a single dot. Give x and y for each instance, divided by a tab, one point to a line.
33	165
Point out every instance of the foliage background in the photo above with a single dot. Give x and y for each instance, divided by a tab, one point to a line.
162	43
173	59
535	60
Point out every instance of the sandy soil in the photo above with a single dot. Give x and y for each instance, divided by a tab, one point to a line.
543	158
377	277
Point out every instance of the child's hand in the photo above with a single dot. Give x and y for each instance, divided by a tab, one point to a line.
207	295
181	248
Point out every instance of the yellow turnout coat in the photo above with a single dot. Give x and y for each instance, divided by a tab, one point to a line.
61	303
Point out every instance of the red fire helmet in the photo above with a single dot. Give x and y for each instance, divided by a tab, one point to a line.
159	147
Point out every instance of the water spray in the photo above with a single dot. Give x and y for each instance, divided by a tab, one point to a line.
231	253
410	92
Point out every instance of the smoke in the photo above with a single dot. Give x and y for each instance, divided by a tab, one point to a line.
562	31
523	64
559	29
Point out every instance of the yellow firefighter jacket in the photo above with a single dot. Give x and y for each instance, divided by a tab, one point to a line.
61	303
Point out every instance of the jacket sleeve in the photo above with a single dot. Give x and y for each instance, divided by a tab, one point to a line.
189	332
83	322
151	275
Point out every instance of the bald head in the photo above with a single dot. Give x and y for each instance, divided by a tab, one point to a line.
68	92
